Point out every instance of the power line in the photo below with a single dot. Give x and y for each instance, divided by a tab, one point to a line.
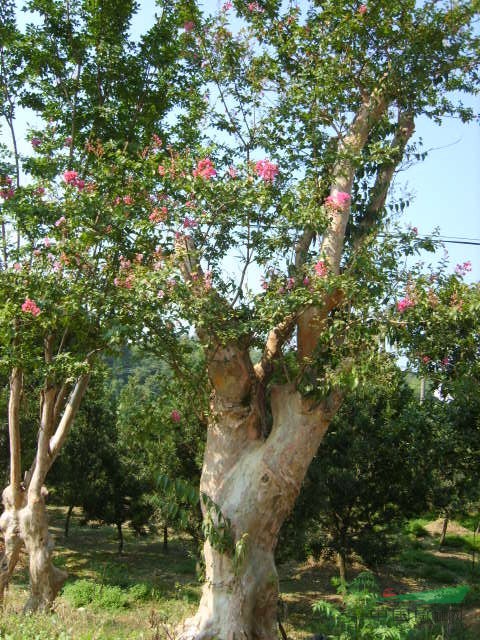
444	239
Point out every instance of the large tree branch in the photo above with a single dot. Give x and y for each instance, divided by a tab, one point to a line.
378	195
372	108
57	440
312	322
16	385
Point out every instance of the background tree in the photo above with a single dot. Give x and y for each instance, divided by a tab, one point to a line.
371	472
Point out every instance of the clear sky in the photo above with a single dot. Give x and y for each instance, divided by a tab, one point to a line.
445	187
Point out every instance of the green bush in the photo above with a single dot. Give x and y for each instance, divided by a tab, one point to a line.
83	593
417	528
140	592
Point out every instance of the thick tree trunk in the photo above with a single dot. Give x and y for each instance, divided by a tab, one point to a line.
10	528
254	484
46	580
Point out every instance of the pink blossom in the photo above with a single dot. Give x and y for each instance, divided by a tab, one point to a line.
17	266
254	6
205	169
462	269
46	242
80	184
128	200
60	221
426	359
124	263
404	304
189	26
36	142
189	223
338	200
68	141
6	189
290	283
266	170
208	280
362	9
190	204
37	252
176	416
232	172
39	191
445	361
139	258
414	231
70	177
227	6
157	141
161	294
321	269
306	281
29	306
158	215
57	266
161	169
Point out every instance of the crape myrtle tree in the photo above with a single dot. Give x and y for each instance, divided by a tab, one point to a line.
67	231
316	107
439	331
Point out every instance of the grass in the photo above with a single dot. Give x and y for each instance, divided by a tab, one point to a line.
112	597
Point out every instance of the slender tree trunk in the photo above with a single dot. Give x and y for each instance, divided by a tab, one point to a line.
165	538
342	566
120	538
254	483
441	542
67	520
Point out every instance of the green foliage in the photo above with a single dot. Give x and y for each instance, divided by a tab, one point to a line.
82	593
361	617
365	478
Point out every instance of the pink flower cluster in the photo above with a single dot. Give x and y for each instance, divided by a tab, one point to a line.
462	269
158	215
404	304
321	269
189	26
362	9
266	170
205	169
60	221
176	416
254	6
227	6
29	306
71	178
6	189
338	200
36	142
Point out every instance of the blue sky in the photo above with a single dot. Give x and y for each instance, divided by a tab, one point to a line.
445	187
